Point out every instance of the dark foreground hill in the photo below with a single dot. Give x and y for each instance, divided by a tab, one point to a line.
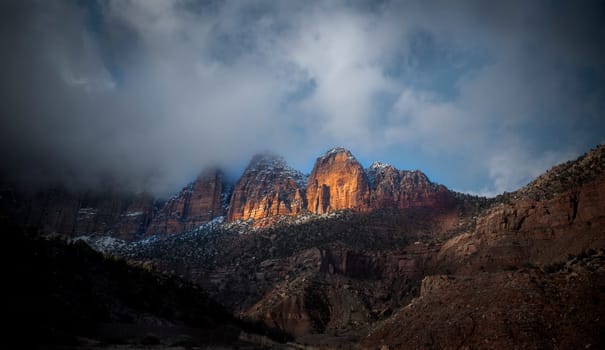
65	295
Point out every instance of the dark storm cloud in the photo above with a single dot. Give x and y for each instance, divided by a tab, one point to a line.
147	93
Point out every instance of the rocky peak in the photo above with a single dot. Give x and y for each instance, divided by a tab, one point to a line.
266	160
401	189
264	164
197	203
335	153
337	182
338	150
380	170
268	187
415	177
379	166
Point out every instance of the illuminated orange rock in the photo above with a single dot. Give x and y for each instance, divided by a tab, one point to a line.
267	188
337	182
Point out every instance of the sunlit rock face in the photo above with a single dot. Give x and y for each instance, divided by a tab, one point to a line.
337	182
196	204
267	188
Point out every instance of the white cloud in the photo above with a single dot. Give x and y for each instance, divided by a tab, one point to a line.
165	88
339	51
513	168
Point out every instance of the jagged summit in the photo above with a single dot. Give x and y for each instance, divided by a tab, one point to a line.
338	150
266	159
197	203
380	166
338	181
268	187
379	170
266	164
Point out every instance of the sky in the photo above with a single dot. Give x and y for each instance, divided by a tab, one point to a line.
480	95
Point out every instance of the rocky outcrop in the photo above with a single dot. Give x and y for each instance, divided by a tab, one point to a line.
530	231
564	177
337	182
524	309
337	289
268	187
529	274
198	203
402	189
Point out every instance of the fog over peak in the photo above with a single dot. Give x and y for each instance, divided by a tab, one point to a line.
480	95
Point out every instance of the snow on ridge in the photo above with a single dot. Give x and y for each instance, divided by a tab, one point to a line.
214	222
375	169
103	244
336	150
301	179
380	166
266	164
266	161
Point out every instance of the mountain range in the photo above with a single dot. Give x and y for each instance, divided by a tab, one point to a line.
364	258
268	188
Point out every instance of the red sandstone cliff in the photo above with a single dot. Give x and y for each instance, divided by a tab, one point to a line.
530	230
198	203
268	187
337	182
402	189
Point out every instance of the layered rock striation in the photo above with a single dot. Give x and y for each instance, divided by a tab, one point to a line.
337	182
402	189
267	188
541	231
